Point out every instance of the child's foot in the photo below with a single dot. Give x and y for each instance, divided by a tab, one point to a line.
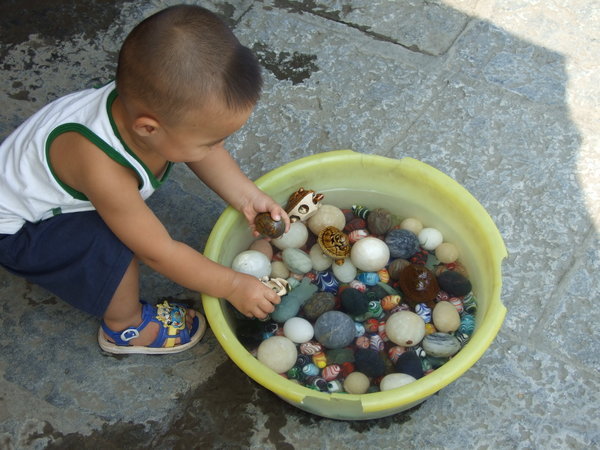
165	328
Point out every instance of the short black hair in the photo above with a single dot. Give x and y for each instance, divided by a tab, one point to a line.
183	56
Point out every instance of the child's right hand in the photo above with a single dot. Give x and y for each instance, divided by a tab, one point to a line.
251	297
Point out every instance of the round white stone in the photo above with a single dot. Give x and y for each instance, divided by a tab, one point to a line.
405	328
395	380
430	238
326	216
370	254
253	263
278	353
346	272
295	238
298	330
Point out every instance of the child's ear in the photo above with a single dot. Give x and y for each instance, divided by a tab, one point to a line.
145	126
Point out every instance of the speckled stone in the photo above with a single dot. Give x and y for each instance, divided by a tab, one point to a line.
318	304
379	221
402	243
334	329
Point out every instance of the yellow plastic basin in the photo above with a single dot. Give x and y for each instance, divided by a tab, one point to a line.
408	188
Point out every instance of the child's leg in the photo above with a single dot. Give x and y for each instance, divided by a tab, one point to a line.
79	259
125	309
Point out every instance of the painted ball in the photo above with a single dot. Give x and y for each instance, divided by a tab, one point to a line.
370	254
334	329
296	237
402	243
252	262
298	330
278	353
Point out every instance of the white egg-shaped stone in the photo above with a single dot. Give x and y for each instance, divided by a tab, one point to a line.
370	254
430	238
405	328
320	261
395	380
252	262
445	317
345	272
298	330
279	270
295	238
356	383
327	215
278	353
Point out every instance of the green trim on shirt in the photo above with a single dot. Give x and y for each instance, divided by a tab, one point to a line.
153	180
94	139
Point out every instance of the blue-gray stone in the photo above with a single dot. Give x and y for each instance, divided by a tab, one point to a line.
402	243
334	329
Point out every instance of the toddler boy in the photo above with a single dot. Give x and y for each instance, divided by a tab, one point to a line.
75	175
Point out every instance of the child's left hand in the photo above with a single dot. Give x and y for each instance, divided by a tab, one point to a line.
261	202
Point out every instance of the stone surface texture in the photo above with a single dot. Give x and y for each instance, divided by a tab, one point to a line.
503	96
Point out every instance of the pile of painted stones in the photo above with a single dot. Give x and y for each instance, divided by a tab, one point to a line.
369	302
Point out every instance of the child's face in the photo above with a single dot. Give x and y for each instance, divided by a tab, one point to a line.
193	138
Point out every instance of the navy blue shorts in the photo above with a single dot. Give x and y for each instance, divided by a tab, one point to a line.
75	256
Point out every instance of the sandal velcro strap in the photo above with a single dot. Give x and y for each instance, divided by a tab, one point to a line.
170	317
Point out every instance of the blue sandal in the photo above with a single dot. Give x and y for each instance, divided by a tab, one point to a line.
171	317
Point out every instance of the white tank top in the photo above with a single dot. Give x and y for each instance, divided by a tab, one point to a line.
29	189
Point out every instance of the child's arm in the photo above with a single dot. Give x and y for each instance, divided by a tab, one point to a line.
221	173
113	189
